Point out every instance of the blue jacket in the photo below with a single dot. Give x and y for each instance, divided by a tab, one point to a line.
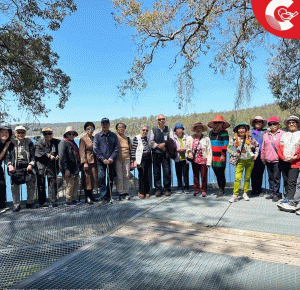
106	146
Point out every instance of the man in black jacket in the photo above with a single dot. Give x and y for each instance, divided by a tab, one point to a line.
46	156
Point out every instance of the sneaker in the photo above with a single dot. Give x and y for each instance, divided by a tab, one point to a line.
54	204
148	195
16	208
275	198
167	193
141	195
3	210
88	200
158	193
220	194
285	201
121	197
261	194
196	193
286	207
29	205
245	196
68	203
297	212
203	194
233	199
127	196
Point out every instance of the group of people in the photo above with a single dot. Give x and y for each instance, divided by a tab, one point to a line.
108	156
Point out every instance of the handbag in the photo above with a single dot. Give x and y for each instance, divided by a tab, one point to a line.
234	159
19	176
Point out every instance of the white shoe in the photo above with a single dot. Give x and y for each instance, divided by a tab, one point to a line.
233	199
245	196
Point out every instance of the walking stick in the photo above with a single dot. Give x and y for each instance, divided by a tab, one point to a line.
107	170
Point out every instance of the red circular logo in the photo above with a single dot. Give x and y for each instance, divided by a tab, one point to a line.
279	17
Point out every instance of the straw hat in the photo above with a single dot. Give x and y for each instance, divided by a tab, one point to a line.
47	129
196	124
291	118
258	118
70	129
218	118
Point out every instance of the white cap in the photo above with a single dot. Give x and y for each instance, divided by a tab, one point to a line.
20	127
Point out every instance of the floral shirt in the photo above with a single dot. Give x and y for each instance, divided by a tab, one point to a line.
199	154
248	151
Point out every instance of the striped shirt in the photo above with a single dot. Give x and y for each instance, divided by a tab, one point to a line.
146	149
219	142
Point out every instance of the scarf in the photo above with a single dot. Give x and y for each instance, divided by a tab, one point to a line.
75	147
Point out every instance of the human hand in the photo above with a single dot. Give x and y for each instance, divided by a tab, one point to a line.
85	167
29	167
7	145
238	154
67	173
134	165
254	158
181	150
56	158
11	169
110	161
152	142
223	158
105	161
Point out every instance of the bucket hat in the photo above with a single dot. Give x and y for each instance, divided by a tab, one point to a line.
20	127
218	118
239	125
291	118
47	129
196	124
258	118
5	127
70	129
178	126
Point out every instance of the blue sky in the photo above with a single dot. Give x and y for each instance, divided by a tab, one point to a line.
97	54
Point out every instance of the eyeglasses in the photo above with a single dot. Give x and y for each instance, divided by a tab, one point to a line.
162	119
21	132
90	129
145	130
47	134
291	122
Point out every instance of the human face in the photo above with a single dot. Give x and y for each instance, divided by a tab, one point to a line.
292	126
179	132
217	126
71	136
258	124
198	130
20	135
89	130
273	126
144	131
242	131
161	120
48	136
105	127
121	129
4	135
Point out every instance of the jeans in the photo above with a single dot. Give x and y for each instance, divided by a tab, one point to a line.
202	169
220	174
160	159
257	176
274	173
182	172
52	189
239	169
105	187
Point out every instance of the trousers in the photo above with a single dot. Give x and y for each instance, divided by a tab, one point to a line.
242	165
202	169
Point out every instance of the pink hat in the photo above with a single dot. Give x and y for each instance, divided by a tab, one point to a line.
273	119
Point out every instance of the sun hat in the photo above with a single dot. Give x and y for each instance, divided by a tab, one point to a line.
47	129
105	120
273	119
291	118
258	118
5	127
20	127
178	126
239	125
196	124
70	129
218	118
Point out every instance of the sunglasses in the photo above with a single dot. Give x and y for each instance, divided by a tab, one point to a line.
90	129
258	122
218	122
162	119
71	134
145	130
273	124
47	134
21	132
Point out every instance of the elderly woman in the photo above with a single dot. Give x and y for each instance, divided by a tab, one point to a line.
219	140
289	154
269	156
243	149
181	164
123	162
199	152
5	145
89	176
258	131
141	156
69	161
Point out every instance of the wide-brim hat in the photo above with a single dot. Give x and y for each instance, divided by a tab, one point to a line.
239	125
291	118
196	124
47	129
70	129
218	118
258	118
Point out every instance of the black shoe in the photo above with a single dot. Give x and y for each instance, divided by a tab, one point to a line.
269	196
16	208
121	197
127	196
89	201
275	198
29	205
54	204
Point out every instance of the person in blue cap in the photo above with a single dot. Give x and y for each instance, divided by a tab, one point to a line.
181	163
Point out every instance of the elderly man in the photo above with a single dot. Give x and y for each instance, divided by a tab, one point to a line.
21	161
106	147
158	137
46	155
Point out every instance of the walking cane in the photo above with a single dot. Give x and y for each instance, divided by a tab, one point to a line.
56	174
107	170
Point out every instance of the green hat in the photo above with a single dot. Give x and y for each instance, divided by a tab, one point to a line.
239	125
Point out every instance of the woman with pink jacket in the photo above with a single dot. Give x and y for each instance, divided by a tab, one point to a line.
270	157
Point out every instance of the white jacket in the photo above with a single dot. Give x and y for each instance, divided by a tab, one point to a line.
205	145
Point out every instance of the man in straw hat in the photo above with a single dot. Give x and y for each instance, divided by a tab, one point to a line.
219	139
69	161
258	131
46	155
158	137
21	158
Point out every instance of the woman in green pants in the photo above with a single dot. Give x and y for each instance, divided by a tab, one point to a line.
243	149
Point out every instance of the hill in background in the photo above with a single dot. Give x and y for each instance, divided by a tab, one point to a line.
134	124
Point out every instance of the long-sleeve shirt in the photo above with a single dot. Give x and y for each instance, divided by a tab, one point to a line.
152	136
219	142
248	152
146	148
268	152
106	146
